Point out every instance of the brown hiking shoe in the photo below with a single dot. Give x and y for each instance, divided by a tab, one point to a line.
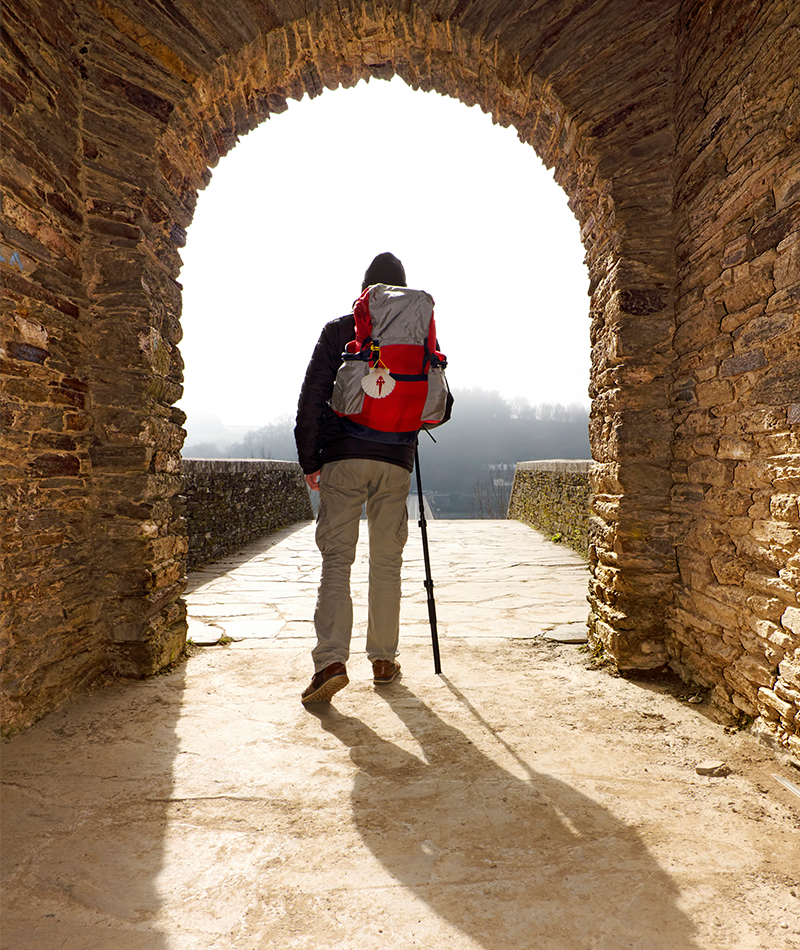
384	671
324	684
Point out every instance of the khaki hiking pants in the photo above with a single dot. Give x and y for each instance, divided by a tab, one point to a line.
344	487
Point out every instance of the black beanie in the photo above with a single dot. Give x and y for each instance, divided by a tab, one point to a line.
385	269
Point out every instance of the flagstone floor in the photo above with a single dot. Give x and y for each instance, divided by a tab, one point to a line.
521	799
486	583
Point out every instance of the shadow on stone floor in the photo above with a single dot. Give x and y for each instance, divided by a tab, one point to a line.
511	861
86	795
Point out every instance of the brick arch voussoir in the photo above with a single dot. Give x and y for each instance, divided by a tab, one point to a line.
315	54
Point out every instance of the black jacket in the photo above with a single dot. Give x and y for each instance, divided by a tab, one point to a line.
318	434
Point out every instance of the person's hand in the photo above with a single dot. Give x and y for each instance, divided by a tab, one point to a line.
312	481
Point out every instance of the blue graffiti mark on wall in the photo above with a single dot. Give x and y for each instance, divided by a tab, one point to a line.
14	260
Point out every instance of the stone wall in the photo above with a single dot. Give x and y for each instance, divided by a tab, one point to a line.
553	497
673	126
735	624
51	619
231	502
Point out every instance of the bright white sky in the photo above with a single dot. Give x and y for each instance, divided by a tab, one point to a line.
294	214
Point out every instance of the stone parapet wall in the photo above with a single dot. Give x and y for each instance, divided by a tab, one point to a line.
231	502
553	497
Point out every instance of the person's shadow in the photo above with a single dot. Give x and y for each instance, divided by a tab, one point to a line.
511	861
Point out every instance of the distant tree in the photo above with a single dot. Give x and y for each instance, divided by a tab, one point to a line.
273	441
521	409
490	499
203	450
559	413
482	404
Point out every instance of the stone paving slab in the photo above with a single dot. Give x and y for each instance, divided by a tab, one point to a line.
489	580
520	800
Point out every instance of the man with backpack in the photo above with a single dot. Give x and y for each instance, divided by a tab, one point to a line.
349	470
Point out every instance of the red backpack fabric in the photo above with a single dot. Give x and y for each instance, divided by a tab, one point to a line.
391	382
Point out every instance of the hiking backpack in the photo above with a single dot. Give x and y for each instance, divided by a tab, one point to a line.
391	382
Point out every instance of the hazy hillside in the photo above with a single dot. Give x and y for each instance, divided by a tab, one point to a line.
485	434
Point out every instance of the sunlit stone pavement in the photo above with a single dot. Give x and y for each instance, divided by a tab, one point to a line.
491	578
519	801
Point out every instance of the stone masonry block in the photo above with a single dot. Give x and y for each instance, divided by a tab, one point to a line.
789	672
790	620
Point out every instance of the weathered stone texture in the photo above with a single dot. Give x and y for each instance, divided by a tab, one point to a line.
553	497
49	611
736	452
674	127
230	502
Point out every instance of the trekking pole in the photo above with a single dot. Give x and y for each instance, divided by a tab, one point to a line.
437	666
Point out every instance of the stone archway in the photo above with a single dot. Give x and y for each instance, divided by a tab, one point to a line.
117	115
631	278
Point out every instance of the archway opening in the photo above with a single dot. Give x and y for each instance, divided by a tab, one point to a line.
294	213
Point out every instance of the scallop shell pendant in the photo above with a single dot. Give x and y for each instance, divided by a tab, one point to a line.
377	383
